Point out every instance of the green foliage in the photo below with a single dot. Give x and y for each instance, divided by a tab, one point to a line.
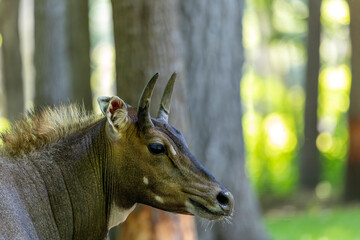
273	96
4	125
270	132
329	224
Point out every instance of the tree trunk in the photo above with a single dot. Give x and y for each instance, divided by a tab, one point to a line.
310	163
79	48
2	93
352	190
212	35
12	65
62	45
146	42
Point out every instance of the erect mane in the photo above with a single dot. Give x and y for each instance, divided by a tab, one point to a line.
44	126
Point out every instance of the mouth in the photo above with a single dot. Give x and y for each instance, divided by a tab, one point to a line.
212	213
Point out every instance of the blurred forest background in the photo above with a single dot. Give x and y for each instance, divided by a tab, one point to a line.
290	63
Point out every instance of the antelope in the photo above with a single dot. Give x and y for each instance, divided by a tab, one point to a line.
68	174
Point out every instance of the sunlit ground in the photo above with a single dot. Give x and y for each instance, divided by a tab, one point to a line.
315	224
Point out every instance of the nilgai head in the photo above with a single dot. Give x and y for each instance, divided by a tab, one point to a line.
151	162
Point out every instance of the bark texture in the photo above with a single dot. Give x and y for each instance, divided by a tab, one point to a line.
2	93
12	65
79	49
310	163
352	190
146	42
212	35
62	45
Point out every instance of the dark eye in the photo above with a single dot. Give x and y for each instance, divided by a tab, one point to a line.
156	148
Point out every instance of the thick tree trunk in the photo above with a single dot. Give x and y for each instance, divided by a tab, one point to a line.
79	49
146	42
12	65
2	93
62	46
52	81
310	163
352	190
214	58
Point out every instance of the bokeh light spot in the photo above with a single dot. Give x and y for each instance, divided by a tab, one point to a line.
336	11
324	141
323	190
276	130
4	126
337	78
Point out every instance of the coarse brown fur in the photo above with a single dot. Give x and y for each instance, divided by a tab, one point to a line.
43	127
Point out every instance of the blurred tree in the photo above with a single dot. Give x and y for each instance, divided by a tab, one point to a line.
146	42
310	163
62	46
2	93
12	65
352	190
214	58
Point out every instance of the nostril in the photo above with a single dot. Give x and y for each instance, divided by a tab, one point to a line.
223	198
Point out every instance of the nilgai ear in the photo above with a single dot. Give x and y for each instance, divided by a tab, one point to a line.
115	111
103	103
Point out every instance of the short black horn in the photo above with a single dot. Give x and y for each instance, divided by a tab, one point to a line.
165	103
144	118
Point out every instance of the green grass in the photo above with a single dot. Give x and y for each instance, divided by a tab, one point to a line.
330	224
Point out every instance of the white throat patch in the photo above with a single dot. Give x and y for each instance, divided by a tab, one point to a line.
118	215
